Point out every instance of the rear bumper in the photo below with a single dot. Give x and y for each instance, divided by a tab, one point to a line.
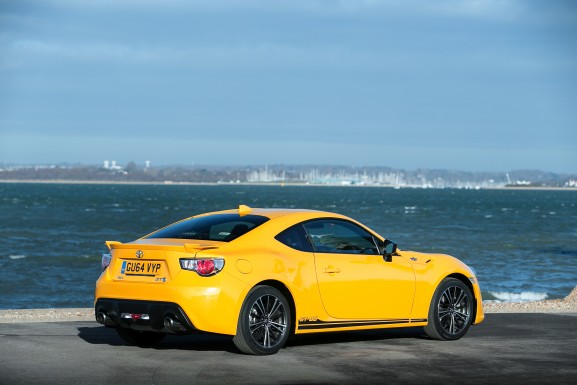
208	304
165	317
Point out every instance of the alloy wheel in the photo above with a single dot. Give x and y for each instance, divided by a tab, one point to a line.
268	321
454	310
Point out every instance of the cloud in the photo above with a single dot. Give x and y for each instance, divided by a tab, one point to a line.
274	56
473	8
214	56
417	71
483	9
491	10
83	51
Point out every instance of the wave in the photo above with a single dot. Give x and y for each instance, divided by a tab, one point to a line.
526	296
410	209
16	256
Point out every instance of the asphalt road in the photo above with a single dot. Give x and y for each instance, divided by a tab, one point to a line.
506	348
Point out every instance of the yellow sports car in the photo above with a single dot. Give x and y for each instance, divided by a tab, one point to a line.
262	274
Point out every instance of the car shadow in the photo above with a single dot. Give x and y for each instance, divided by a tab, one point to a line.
101	335
357	336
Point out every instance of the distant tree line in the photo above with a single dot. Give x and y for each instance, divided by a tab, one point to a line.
130	173
133	172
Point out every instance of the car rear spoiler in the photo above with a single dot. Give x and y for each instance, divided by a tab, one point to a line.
188	247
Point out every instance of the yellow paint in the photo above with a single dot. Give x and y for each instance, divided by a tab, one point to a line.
325	288
244	266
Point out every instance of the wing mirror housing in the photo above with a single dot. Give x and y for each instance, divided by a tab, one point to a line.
389	249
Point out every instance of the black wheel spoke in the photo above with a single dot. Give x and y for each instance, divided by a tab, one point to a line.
256	326
462	316
275	307
279	327
259	307
266	339
460	298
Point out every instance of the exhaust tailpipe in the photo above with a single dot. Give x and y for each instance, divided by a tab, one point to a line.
173	325
103	318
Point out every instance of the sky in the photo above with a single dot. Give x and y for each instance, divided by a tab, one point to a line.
473	85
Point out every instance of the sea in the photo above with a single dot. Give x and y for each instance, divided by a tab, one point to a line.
522	243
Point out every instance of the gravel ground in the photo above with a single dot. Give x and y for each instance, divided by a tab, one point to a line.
566	305
46	315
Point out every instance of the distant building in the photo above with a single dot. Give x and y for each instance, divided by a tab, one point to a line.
111	165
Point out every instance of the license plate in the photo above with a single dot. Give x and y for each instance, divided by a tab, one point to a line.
142	270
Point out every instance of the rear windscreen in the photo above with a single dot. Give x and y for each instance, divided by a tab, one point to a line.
219	227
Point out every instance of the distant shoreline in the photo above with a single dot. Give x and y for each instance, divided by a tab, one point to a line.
279	184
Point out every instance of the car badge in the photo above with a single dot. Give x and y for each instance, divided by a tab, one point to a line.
139	254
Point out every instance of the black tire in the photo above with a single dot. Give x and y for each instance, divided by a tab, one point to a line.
264	322
451	311
140	338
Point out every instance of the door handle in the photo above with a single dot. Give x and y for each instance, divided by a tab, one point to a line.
331	270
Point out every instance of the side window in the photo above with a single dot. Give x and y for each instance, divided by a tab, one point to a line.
342	237
296	238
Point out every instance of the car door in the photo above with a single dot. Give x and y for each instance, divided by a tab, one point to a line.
355	282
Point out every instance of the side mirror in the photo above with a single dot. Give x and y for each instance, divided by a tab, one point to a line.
389	250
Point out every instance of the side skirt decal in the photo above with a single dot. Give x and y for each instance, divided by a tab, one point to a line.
309	325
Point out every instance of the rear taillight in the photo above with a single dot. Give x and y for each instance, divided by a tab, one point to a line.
204	267
105	261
